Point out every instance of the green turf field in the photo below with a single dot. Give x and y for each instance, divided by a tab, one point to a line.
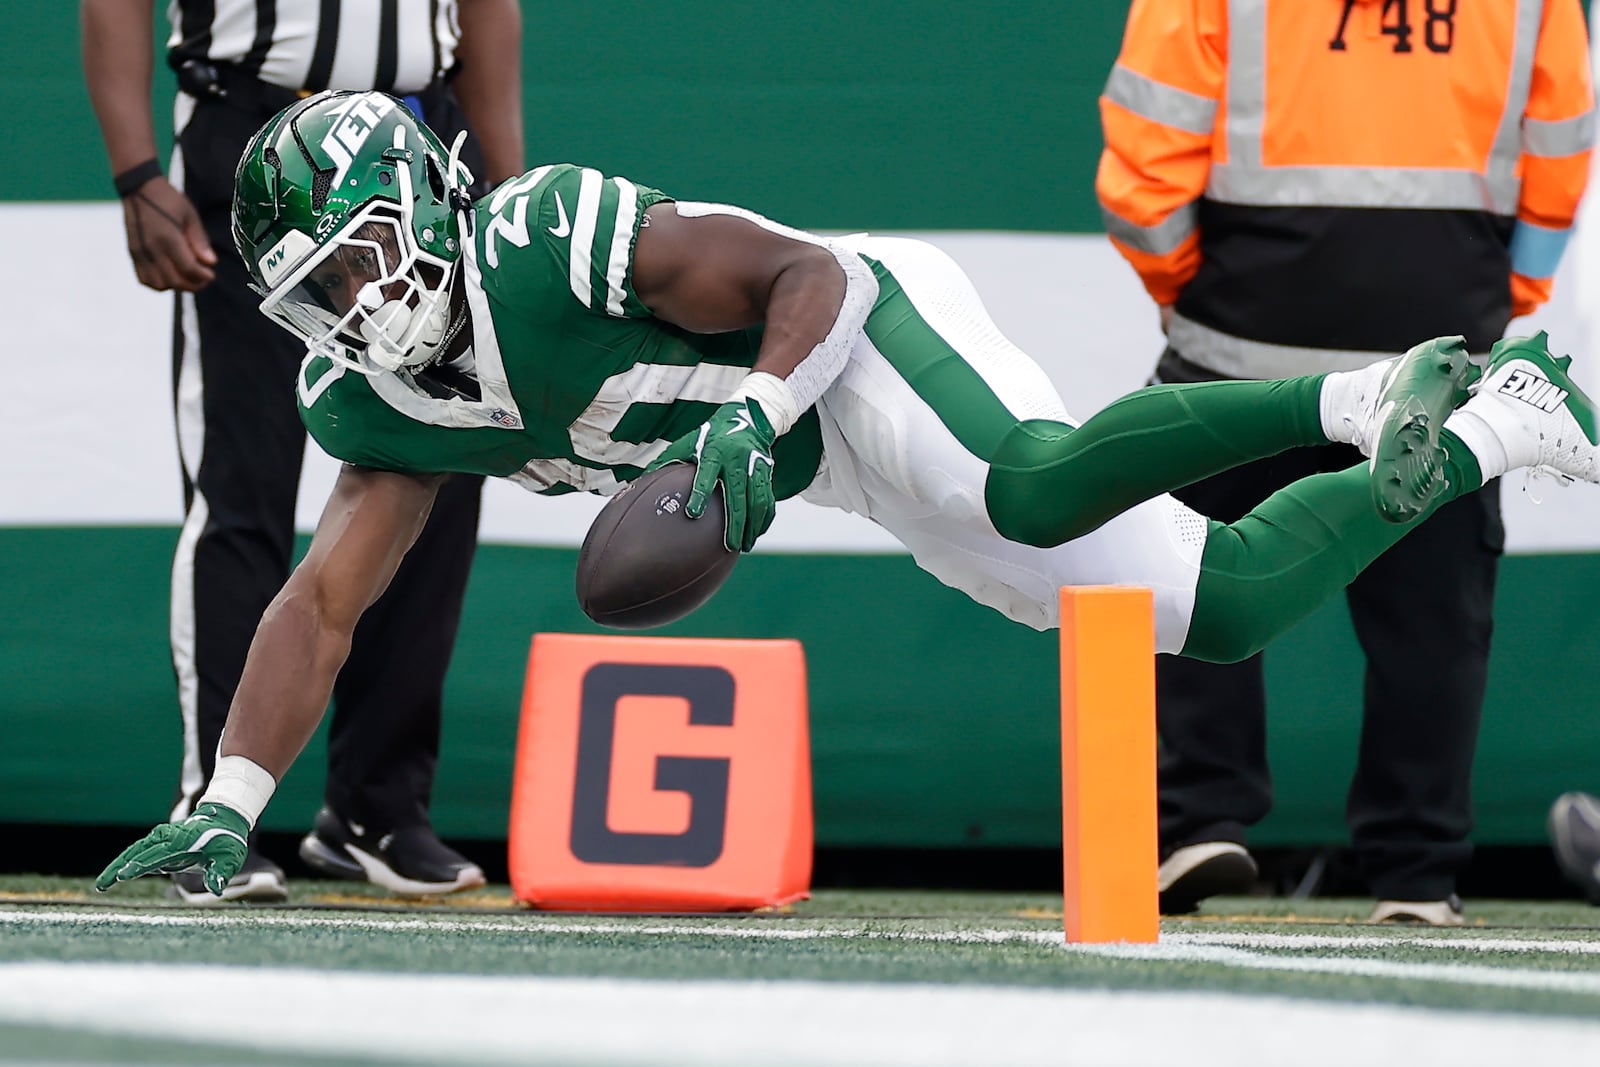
344	976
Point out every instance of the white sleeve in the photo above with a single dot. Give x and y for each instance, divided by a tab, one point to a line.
814	373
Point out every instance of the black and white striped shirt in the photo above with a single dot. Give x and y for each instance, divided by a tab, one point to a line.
397	46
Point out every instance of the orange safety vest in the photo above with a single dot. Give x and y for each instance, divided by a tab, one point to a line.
1319	183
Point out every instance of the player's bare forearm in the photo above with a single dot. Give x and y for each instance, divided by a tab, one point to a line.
287	681
117	38
717	272
490	84
370	521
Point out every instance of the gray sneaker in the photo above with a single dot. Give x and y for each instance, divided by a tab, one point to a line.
1446	912
259	881
1574	825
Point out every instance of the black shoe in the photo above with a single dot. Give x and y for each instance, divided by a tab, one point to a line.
1202	870
412	862
259	881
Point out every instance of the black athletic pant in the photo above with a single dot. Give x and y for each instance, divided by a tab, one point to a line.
241	444
1423	613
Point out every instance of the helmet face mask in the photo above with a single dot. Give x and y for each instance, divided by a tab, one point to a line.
364	290
347	215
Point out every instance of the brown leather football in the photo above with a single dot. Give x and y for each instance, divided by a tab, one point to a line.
646	563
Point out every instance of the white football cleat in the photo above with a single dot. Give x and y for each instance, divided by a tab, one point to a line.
1540	417
1356	404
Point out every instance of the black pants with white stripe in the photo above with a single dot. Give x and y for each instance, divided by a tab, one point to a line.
242	443
1423	614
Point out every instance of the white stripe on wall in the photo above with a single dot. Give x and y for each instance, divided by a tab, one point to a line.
1066	299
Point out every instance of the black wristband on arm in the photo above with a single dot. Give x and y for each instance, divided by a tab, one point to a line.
128	182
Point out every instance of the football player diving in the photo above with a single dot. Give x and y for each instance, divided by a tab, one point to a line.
573	330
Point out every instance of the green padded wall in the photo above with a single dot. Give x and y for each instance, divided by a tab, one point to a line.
934	720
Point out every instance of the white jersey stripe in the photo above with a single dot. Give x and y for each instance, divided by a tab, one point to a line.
585	218
621	245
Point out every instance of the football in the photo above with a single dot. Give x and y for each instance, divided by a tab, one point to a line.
644	562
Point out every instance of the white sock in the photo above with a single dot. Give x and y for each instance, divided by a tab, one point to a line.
1480	438
1336	406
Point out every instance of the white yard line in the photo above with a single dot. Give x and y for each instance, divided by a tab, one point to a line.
531	926
1473	974
463	1019
1454	942
762	929
1244	951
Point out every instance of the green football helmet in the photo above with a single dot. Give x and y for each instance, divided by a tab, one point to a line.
348	213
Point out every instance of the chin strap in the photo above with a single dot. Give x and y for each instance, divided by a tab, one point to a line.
457	193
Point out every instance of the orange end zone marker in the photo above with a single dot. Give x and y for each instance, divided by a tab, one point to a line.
1108	764
662	774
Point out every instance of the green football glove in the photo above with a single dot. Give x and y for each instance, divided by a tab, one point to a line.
734	447
213	839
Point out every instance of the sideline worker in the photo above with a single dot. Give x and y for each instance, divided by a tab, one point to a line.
1302	186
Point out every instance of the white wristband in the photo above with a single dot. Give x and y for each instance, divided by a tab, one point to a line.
241	784
775	397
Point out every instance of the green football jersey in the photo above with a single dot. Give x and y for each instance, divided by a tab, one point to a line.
580	387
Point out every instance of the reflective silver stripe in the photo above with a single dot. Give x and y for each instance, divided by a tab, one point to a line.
1159	102
1553	139
1420	187
1239	358
1247	81
1245	180
1504	184
1157	240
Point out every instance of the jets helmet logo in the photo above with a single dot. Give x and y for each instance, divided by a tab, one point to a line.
357	117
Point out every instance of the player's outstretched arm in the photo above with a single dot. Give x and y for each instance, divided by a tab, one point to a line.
370	521
710	269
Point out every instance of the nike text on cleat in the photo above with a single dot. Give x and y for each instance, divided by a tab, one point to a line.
1419	392
1530	404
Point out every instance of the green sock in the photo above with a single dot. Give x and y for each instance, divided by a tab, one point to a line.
1049	482
1460	465
1303	544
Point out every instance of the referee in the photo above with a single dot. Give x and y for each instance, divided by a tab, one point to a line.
456	63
